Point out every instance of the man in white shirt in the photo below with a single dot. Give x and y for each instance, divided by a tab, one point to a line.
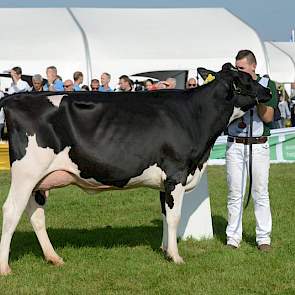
17	85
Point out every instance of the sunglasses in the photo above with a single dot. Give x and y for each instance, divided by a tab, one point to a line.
192	85
93	88
66	86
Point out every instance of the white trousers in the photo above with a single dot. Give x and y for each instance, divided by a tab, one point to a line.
237	165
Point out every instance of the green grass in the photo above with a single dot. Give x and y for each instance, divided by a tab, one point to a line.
110	243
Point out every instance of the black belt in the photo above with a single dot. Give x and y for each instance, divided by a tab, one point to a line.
247	140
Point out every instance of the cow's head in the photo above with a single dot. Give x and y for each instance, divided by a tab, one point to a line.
243	91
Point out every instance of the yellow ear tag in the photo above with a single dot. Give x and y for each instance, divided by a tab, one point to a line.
209	78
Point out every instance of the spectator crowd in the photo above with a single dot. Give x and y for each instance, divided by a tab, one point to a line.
54	82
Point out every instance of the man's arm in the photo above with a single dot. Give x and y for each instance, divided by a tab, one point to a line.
265	113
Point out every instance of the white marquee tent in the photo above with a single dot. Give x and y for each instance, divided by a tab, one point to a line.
281	65
288	48
123	41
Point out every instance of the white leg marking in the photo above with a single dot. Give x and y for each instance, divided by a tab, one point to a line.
25	174
164	245
12	210
173	217
37	218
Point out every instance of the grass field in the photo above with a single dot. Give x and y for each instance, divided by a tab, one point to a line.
110	245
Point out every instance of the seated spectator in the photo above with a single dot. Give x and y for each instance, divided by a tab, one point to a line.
170	83
125	84
150	85
191	83
78	80
37	81
94	85
69	85
85	88
17	85
105	80
54	82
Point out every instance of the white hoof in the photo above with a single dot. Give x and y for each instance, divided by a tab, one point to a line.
5	270
55	260
175	258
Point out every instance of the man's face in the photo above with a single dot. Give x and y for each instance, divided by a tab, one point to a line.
14	75
104	79
124	85
37	85
244	66
69	85
51	74
94	86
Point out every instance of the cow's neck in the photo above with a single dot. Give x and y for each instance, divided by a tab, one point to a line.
212	100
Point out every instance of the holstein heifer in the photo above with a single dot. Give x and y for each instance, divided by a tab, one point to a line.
103	141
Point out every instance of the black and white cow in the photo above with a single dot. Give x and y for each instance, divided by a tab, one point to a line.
99	141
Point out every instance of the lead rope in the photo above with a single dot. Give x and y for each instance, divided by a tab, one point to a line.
250	159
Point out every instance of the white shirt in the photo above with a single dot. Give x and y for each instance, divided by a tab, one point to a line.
20	86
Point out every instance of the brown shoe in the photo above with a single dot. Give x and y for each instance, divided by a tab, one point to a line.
264	248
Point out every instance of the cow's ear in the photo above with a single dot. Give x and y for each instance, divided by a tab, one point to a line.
229	67
204	73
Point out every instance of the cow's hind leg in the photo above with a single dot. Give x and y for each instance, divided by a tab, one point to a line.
37	218
164	244
13	208
173	206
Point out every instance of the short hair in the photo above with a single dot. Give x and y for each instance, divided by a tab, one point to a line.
51	68
18	70
107	74
85	87
37	77
95	80
149	80
248	54
172	80
77	75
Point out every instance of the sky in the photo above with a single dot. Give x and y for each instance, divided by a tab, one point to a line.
273	20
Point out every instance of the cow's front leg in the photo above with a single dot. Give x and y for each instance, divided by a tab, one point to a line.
36	215
12	210
164	244
173	212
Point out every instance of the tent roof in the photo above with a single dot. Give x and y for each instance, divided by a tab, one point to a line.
282	66
123	41
37	38
141	40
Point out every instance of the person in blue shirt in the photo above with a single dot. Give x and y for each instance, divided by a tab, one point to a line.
105	80
54	83
78	80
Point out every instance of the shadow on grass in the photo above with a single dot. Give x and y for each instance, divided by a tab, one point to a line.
25	242
219	228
